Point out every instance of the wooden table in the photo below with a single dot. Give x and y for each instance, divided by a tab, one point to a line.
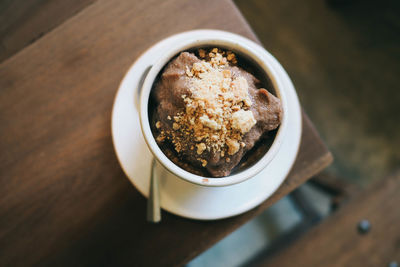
64	199
337	242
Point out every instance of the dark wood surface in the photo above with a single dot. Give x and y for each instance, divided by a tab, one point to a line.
24	21
64	199
336	242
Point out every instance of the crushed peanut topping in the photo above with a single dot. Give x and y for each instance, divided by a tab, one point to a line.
243	120
203	162
200	148
202	53
175	126
233	146
217	112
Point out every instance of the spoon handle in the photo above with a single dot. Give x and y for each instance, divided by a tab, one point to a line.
153	202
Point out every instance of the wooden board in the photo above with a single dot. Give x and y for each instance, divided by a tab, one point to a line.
336	242
64	199
22	22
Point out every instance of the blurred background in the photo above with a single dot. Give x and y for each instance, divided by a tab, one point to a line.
344	58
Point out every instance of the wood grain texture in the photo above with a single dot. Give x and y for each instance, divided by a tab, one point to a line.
336	242
64	199
24	21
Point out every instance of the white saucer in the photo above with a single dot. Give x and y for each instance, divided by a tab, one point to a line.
178	196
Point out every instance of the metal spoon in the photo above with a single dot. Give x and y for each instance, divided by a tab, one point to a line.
153	202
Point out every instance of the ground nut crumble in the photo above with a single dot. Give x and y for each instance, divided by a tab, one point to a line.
217	111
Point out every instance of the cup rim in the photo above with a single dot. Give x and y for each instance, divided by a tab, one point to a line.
220	39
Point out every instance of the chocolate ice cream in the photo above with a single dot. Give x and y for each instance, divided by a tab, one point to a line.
209	112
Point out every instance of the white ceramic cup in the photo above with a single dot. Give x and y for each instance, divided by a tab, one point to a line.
238	44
